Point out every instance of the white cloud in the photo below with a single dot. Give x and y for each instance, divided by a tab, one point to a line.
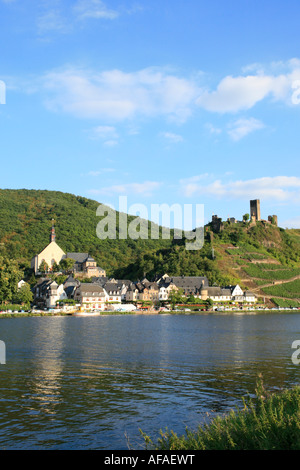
61	17
110	143
85	9
107	134
118	95
144	189
212	129
101	172
242	127
52	20
171	137
239	93
279	188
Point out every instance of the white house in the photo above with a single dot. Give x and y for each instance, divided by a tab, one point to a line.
56	293
250	297
113	292
90	296
237	293
48	292
165	290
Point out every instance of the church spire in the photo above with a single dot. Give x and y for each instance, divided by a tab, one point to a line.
52	235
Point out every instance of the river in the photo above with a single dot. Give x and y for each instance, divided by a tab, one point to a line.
91	383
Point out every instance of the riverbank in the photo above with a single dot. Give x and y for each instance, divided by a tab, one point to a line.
145	312
270	422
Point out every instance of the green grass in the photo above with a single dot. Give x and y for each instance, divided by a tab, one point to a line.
269	422
255	270
286	303
31	314
289	289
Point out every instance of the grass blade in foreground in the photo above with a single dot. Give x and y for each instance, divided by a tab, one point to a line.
270	422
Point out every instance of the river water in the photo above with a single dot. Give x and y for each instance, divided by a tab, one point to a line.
91	383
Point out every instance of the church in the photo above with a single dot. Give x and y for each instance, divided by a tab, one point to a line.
52	254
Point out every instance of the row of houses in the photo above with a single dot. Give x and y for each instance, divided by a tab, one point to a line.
101	291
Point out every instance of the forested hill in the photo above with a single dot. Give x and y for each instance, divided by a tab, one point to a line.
25	225
253	256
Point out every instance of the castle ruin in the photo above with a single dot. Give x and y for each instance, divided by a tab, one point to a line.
255	210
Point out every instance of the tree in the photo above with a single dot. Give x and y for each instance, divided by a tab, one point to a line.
24	295
192	299
43	267
175	297
10	275
246	217
55	267
67	264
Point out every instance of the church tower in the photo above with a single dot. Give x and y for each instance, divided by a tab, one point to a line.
51	254
52	235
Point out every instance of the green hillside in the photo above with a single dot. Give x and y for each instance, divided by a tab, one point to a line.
263	258
25	224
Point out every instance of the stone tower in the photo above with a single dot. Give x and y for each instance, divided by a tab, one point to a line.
273	219
255	210
52	235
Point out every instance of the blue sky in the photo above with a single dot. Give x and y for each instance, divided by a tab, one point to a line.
175	102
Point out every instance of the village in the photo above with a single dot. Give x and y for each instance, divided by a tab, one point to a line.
87	288
124	295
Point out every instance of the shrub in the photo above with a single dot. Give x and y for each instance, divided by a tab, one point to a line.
270	422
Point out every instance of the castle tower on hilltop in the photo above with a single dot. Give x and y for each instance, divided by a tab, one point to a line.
273	219
255	210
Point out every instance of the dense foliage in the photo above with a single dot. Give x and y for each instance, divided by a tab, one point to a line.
25	223
26	219
10	275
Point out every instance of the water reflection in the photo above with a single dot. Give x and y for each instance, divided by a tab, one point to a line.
85	382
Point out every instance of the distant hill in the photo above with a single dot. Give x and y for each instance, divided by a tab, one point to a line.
263	258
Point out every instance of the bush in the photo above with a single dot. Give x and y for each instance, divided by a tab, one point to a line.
270	422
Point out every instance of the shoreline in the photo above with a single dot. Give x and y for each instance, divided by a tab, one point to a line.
113	313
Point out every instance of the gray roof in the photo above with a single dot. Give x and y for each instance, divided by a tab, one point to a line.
188	281
89	287
44	284
100	280
150	285
69	290
190	284
126	282
226	292
70	281
112	287
215	291
89	258
78	257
